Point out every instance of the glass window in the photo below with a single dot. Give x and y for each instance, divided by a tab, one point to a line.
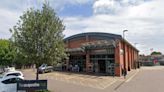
6	81
11	81
14	74
18	79
103	56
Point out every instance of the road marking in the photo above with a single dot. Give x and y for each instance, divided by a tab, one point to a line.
119	85
82	80
71	77
109	84
126	80
132	76
81	83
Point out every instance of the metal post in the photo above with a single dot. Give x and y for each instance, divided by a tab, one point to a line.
124	57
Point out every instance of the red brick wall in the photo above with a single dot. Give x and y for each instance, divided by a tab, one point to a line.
75	43
131	54
118	59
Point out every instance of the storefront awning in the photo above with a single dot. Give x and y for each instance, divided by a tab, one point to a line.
99	44
75	50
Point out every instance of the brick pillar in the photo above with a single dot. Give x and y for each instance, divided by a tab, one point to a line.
128	57
88	62
131	63
133	59
118	69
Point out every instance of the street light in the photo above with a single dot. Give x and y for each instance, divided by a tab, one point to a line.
124	51
124	33
135	44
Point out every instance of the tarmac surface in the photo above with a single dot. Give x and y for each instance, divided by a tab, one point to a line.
146	79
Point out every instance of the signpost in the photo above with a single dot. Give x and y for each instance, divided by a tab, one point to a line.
31	85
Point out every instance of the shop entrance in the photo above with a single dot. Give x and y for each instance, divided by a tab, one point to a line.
103	63
102	66
78	60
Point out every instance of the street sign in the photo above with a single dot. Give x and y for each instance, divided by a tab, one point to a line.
31	85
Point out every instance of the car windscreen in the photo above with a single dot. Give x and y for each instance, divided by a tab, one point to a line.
14	74
43	65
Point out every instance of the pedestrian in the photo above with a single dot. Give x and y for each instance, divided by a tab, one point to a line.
122	69
125	73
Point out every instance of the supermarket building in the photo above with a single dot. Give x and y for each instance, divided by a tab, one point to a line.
97	52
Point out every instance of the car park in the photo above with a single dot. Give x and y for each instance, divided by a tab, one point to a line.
45	68
9	84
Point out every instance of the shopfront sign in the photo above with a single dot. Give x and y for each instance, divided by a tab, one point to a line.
31	85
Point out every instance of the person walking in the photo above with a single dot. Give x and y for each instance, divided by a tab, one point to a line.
125	73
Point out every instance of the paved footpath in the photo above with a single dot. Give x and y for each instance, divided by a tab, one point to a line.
149	79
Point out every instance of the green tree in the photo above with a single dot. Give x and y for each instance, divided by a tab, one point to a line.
156	53
7	54
38	36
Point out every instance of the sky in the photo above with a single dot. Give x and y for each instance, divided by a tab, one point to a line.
144	19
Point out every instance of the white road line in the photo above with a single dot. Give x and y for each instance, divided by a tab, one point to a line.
132	77
81	83
109	84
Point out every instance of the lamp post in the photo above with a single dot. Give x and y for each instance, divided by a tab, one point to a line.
135	44
124	57
124	33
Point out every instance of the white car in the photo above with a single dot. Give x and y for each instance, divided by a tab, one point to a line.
9	69
12	73
9	84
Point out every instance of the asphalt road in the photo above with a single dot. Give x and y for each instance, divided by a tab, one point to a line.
149	79
71	82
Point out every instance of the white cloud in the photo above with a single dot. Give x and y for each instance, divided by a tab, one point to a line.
10	11
132	2
151	9
106	6
115	6
7	20
144	22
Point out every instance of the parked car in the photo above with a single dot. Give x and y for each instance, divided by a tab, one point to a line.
9	84
9	69
6	69
45	68
12	73
58	67
1	70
